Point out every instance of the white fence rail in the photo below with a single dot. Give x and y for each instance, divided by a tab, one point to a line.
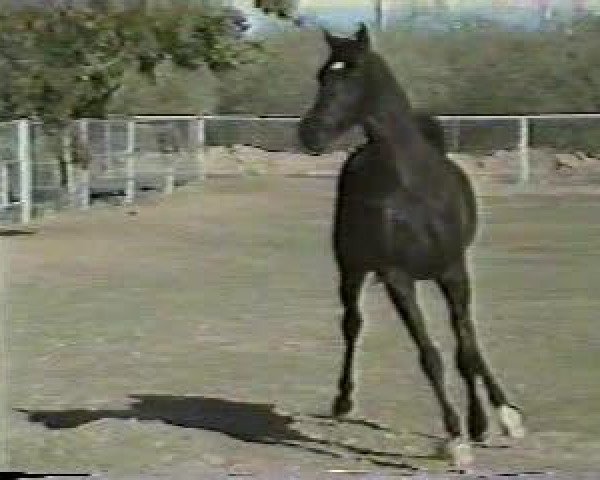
125	156
524	130
512	132
42	170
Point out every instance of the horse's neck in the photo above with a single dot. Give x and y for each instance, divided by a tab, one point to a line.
389	117
391	130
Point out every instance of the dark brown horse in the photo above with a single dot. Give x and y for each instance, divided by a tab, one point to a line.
405	212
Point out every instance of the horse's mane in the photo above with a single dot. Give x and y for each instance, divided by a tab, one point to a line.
432	130
427	124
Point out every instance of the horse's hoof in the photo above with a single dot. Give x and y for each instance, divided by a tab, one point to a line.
458	451
341	406
480	437
478	430
511	421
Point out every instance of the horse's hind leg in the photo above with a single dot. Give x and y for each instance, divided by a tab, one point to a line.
350	289
401	290
455	285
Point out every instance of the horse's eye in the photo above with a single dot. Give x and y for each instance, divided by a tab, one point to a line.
338	66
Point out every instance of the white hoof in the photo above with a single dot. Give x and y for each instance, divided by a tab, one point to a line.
458	451
511	421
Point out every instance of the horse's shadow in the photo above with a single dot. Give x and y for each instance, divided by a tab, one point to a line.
248	422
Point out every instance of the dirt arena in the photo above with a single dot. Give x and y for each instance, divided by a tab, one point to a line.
200	333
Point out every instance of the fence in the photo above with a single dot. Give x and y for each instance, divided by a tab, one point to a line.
478	134
15	168
141	153
42	170
125	156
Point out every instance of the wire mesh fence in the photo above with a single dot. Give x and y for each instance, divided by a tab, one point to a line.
93	159
125	155
9	165
15	172
43	169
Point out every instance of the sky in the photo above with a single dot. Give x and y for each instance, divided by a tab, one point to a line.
528	13
452	4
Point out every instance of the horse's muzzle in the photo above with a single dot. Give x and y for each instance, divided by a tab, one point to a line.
311	136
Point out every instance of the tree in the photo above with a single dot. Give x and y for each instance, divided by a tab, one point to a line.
62	63
65	63
287	9
281	8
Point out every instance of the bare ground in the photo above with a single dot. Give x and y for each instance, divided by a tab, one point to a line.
201	334
548	168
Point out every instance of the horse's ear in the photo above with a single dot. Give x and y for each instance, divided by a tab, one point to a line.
362	36
329	38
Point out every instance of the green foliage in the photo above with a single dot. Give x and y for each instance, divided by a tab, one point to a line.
173	91
283	81
469	72
281	8
58	64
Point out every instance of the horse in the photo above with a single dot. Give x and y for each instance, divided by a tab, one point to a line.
406	213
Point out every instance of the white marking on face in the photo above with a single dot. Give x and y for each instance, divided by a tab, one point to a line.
337	65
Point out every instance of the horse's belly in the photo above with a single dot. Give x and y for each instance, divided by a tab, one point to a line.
378	238
358	236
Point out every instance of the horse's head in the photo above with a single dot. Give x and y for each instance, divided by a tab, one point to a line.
342	94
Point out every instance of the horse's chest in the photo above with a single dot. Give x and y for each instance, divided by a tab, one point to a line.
375	218
364	176
376	223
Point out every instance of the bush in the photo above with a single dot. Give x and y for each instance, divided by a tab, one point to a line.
183	92
464	72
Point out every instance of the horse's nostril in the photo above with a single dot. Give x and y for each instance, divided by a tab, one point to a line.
307	134
312	142
312	135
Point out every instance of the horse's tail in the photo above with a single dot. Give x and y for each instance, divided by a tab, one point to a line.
432	130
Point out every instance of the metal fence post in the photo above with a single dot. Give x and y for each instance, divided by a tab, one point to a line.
67	156
130	175
169	158
4	185
379	15
108	144
85	173
524	168
130	163
85	189
200	143
170	178
455	134
5	408
25	170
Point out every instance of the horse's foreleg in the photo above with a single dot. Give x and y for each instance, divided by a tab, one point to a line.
455	285
401	290
456	289
350	289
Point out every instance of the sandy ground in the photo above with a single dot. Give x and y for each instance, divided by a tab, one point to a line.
546	167
199	335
